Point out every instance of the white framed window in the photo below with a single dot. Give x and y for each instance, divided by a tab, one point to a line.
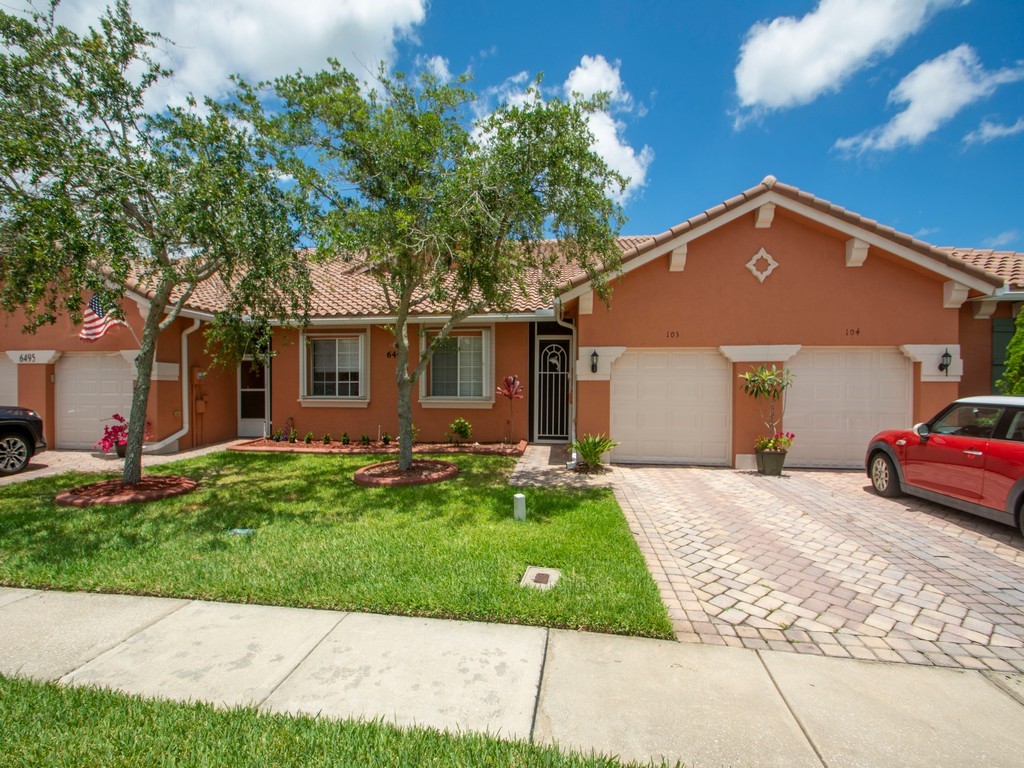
335	367
460	369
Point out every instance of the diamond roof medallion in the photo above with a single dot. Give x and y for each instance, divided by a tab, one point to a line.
756	259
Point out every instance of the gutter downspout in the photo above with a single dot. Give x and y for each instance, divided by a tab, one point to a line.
573	459
184	376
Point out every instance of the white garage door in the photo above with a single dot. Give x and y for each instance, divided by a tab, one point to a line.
671	406
8	381
840	398
90	389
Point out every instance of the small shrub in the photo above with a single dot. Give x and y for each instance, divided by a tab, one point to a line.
344	438
308	439
385	438
415	433
589	450
293	436
365	440
278	435
327	438
460	430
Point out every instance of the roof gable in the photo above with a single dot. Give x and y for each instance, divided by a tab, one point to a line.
771	192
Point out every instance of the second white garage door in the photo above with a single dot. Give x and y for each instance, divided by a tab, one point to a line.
671	406
840	399
90	388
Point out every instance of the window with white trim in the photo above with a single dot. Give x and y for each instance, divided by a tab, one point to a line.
335	367
460	367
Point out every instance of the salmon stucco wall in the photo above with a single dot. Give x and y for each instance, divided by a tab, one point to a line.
380	414
36	391
593	410
811	298
976	349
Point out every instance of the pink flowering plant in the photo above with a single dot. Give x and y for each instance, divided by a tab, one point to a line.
117	433
510	389
780	442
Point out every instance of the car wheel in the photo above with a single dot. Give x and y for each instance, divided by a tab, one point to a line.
883	476
14	454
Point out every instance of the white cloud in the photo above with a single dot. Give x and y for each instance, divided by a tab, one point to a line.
788	62
1002	239
595	74
260	39
933	93
435	65
988	131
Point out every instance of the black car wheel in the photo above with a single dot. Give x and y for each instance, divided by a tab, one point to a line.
14	454
883	476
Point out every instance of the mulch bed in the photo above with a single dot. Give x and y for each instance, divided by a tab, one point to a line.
115	492
387	473
489	449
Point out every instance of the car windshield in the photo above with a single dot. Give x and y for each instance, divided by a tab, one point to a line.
968	421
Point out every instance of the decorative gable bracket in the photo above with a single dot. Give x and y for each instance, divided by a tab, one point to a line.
677	259
765	216
983	310
954	294
856	252
587	303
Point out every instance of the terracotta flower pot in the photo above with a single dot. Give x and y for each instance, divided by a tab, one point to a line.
770	462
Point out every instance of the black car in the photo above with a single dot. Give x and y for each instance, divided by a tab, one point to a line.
21	438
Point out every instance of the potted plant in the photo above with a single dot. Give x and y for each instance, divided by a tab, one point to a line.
768	386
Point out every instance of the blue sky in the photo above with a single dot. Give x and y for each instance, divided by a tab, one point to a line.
910	112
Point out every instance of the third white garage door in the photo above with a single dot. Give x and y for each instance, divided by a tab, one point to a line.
671	406
840	398
91	387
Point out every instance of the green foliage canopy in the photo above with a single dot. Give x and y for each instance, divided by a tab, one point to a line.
97	196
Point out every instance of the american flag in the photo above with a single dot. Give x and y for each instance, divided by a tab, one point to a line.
96	321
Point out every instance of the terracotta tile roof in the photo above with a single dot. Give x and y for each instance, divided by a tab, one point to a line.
343	288
1006	264
770	183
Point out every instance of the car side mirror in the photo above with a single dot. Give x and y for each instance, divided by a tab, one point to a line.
922	431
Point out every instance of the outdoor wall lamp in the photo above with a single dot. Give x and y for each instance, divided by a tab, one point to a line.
593	361
946	361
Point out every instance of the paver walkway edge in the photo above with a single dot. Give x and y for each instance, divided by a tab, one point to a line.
637	698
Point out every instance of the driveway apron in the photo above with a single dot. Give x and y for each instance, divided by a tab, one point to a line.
814	562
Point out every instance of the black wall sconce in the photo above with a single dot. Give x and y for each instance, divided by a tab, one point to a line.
946	361
593	361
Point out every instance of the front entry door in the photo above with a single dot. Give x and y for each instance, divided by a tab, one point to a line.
253	399
551	382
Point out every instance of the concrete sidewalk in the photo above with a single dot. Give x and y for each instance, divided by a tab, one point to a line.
639	699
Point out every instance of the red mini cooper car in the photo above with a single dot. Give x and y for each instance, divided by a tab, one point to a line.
969	457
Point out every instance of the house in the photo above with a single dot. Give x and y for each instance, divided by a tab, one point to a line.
860	313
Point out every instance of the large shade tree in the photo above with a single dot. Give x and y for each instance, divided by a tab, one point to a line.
451	216
98	197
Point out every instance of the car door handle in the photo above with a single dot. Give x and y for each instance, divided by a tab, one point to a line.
972	452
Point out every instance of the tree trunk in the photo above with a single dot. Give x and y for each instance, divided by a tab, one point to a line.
405	382
132	473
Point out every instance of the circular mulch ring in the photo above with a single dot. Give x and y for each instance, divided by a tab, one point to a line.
387	473
115	492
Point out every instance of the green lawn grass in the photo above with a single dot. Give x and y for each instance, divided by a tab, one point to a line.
43	724
448	550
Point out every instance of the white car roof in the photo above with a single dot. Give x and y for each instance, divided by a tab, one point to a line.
994	400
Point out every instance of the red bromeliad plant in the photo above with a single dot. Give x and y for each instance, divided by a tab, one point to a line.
512	390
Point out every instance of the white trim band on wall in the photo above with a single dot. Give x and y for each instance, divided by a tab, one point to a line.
760	353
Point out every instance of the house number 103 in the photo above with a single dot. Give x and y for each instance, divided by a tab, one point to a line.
671	334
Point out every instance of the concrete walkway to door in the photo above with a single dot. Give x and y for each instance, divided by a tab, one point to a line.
814	562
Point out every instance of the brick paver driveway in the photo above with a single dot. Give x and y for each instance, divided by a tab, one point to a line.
814	562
